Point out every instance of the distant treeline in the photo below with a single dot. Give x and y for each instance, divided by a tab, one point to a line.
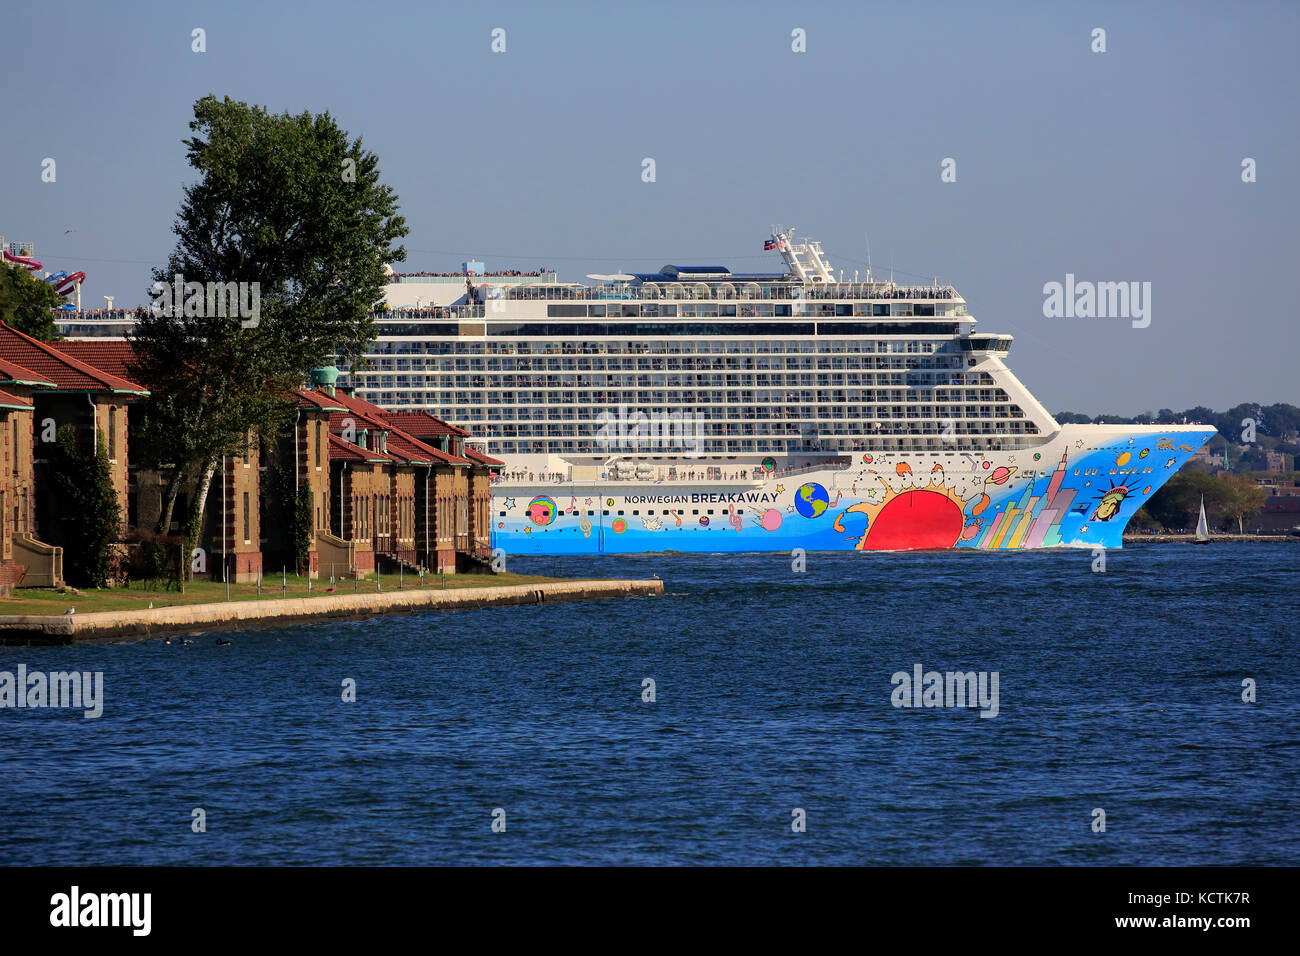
1230	500
1279	422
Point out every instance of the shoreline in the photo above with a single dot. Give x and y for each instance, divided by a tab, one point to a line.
20	629
1214	539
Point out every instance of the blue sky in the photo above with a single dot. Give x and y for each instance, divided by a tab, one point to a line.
1123	165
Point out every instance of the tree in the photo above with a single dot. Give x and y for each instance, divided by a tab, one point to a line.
1177	502
1244	499
89	516
290	501
26	303
293	207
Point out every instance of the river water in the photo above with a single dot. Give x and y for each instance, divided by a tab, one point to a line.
1118	691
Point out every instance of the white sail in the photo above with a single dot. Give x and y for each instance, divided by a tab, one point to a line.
1202	532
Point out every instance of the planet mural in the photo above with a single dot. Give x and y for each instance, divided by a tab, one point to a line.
704	521
811	500
619	526
542	511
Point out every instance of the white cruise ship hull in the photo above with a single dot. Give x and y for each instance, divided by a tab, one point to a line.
1077	490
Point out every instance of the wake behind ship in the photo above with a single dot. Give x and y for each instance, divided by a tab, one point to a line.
697	409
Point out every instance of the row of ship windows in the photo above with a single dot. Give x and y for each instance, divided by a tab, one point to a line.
754	310
735	394
727	429
789	446
938	366
475	347
825	412
590	388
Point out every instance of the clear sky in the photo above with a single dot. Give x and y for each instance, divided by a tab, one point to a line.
1122	165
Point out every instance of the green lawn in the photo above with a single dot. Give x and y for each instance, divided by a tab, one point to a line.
47	601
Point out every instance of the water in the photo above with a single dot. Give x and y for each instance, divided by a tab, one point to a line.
1119	690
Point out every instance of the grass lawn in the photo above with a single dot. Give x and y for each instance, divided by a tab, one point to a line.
48	601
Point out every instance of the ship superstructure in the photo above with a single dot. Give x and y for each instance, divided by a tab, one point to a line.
696	408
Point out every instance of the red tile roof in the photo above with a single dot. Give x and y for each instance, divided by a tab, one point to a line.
310	398
404	441
11	374
424	424
421	451
13	401
341	450
350	418
66	372
475	455
107	355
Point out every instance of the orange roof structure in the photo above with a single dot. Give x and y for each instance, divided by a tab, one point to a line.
8	400
11	374
424	424
107	355
69	374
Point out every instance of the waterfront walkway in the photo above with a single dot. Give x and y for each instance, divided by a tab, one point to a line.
108	625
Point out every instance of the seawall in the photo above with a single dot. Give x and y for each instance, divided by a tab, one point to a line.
107	625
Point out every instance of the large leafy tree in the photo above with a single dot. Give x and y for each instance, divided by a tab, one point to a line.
1176	504
1244	499
81	482
26	303
289	202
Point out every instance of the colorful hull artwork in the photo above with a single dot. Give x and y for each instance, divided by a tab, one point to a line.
1079	491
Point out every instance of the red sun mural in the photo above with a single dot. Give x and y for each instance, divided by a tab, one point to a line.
914	519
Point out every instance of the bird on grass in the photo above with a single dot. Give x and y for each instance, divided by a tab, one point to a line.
151	605
71	610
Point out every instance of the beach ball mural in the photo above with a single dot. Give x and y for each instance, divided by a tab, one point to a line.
811	500
1144	452
609	502
704	521
619	526
769	464
542	511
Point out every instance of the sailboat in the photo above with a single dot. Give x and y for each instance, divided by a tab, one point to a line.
1202	532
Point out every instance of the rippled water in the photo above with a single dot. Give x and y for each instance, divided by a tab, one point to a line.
1119	690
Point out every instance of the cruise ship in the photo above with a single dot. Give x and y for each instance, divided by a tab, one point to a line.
697	409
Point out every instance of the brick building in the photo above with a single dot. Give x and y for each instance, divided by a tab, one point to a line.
403	486
64	391
382	489
23	558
